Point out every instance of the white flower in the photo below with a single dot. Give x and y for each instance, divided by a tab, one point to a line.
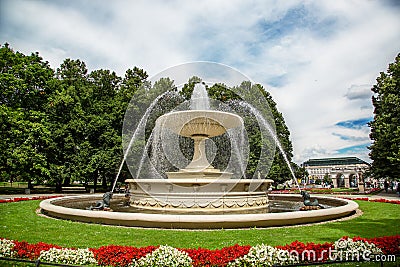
6	247
263	255
348	249
165	256
68	256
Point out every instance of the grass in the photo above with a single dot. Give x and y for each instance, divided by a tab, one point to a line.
19	221
15	184
351	190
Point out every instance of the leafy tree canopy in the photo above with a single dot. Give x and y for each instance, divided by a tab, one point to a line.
385	127
64	125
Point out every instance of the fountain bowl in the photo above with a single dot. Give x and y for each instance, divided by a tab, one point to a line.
207	123
57	207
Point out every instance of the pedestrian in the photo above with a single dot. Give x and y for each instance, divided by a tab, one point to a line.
386	186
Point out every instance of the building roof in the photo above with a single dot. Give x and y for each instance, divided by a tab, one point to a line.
334	161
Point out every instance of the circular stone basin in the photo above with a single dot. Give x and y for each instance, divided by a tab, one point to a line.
62	208
208	123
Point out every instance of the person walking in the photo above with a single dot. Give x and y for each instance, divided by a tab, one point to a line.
386	186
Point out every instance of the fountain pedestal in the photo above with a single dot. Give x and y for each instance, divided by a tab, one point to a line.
199	167
199	125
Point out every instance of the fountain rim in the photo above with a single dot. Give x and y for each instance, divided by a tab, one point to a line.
203	111
168	120
198	181
201	221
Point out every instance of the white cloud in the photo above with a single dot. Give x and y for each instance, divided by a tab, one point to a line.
359	92
314	97
313	56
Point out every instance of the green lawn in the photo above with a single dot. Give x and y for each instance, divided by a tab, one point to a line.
20	222
350	190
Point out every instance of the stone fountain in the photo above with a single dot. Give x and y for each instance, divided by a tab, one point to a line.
198	195
199	187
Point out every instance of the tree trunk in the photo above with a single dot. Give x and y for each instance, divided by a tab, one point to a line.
30	186
104	182
58	186
95	181
67	181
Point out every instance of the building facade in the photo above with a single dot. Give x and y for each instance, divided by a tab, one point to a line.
344	172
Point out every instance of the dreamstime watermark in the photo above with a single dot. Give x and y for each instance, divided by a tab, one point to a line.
332	254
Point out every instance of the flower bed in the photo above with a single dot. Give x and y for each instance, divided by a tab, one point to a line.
324	191
372	190
381	200
18	199
260	255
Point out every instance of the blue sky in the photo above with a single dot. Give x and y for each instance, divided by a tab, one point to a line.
318	59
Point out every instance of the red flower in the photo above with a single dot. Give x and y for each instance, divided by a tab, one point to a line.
309	252
18	199
218	257
119	255
31	251
388	244
382	200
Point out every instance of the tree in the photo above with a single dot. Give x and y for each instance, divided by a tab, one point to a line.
86	113
67	122
25	85
24	80
103	125
23	157
279	170
282	171
65	126
188	87
385	127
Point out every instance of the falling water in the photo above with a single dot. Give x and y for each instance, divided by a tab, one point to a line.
265	123
138	129
199	99
144	155
238	140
